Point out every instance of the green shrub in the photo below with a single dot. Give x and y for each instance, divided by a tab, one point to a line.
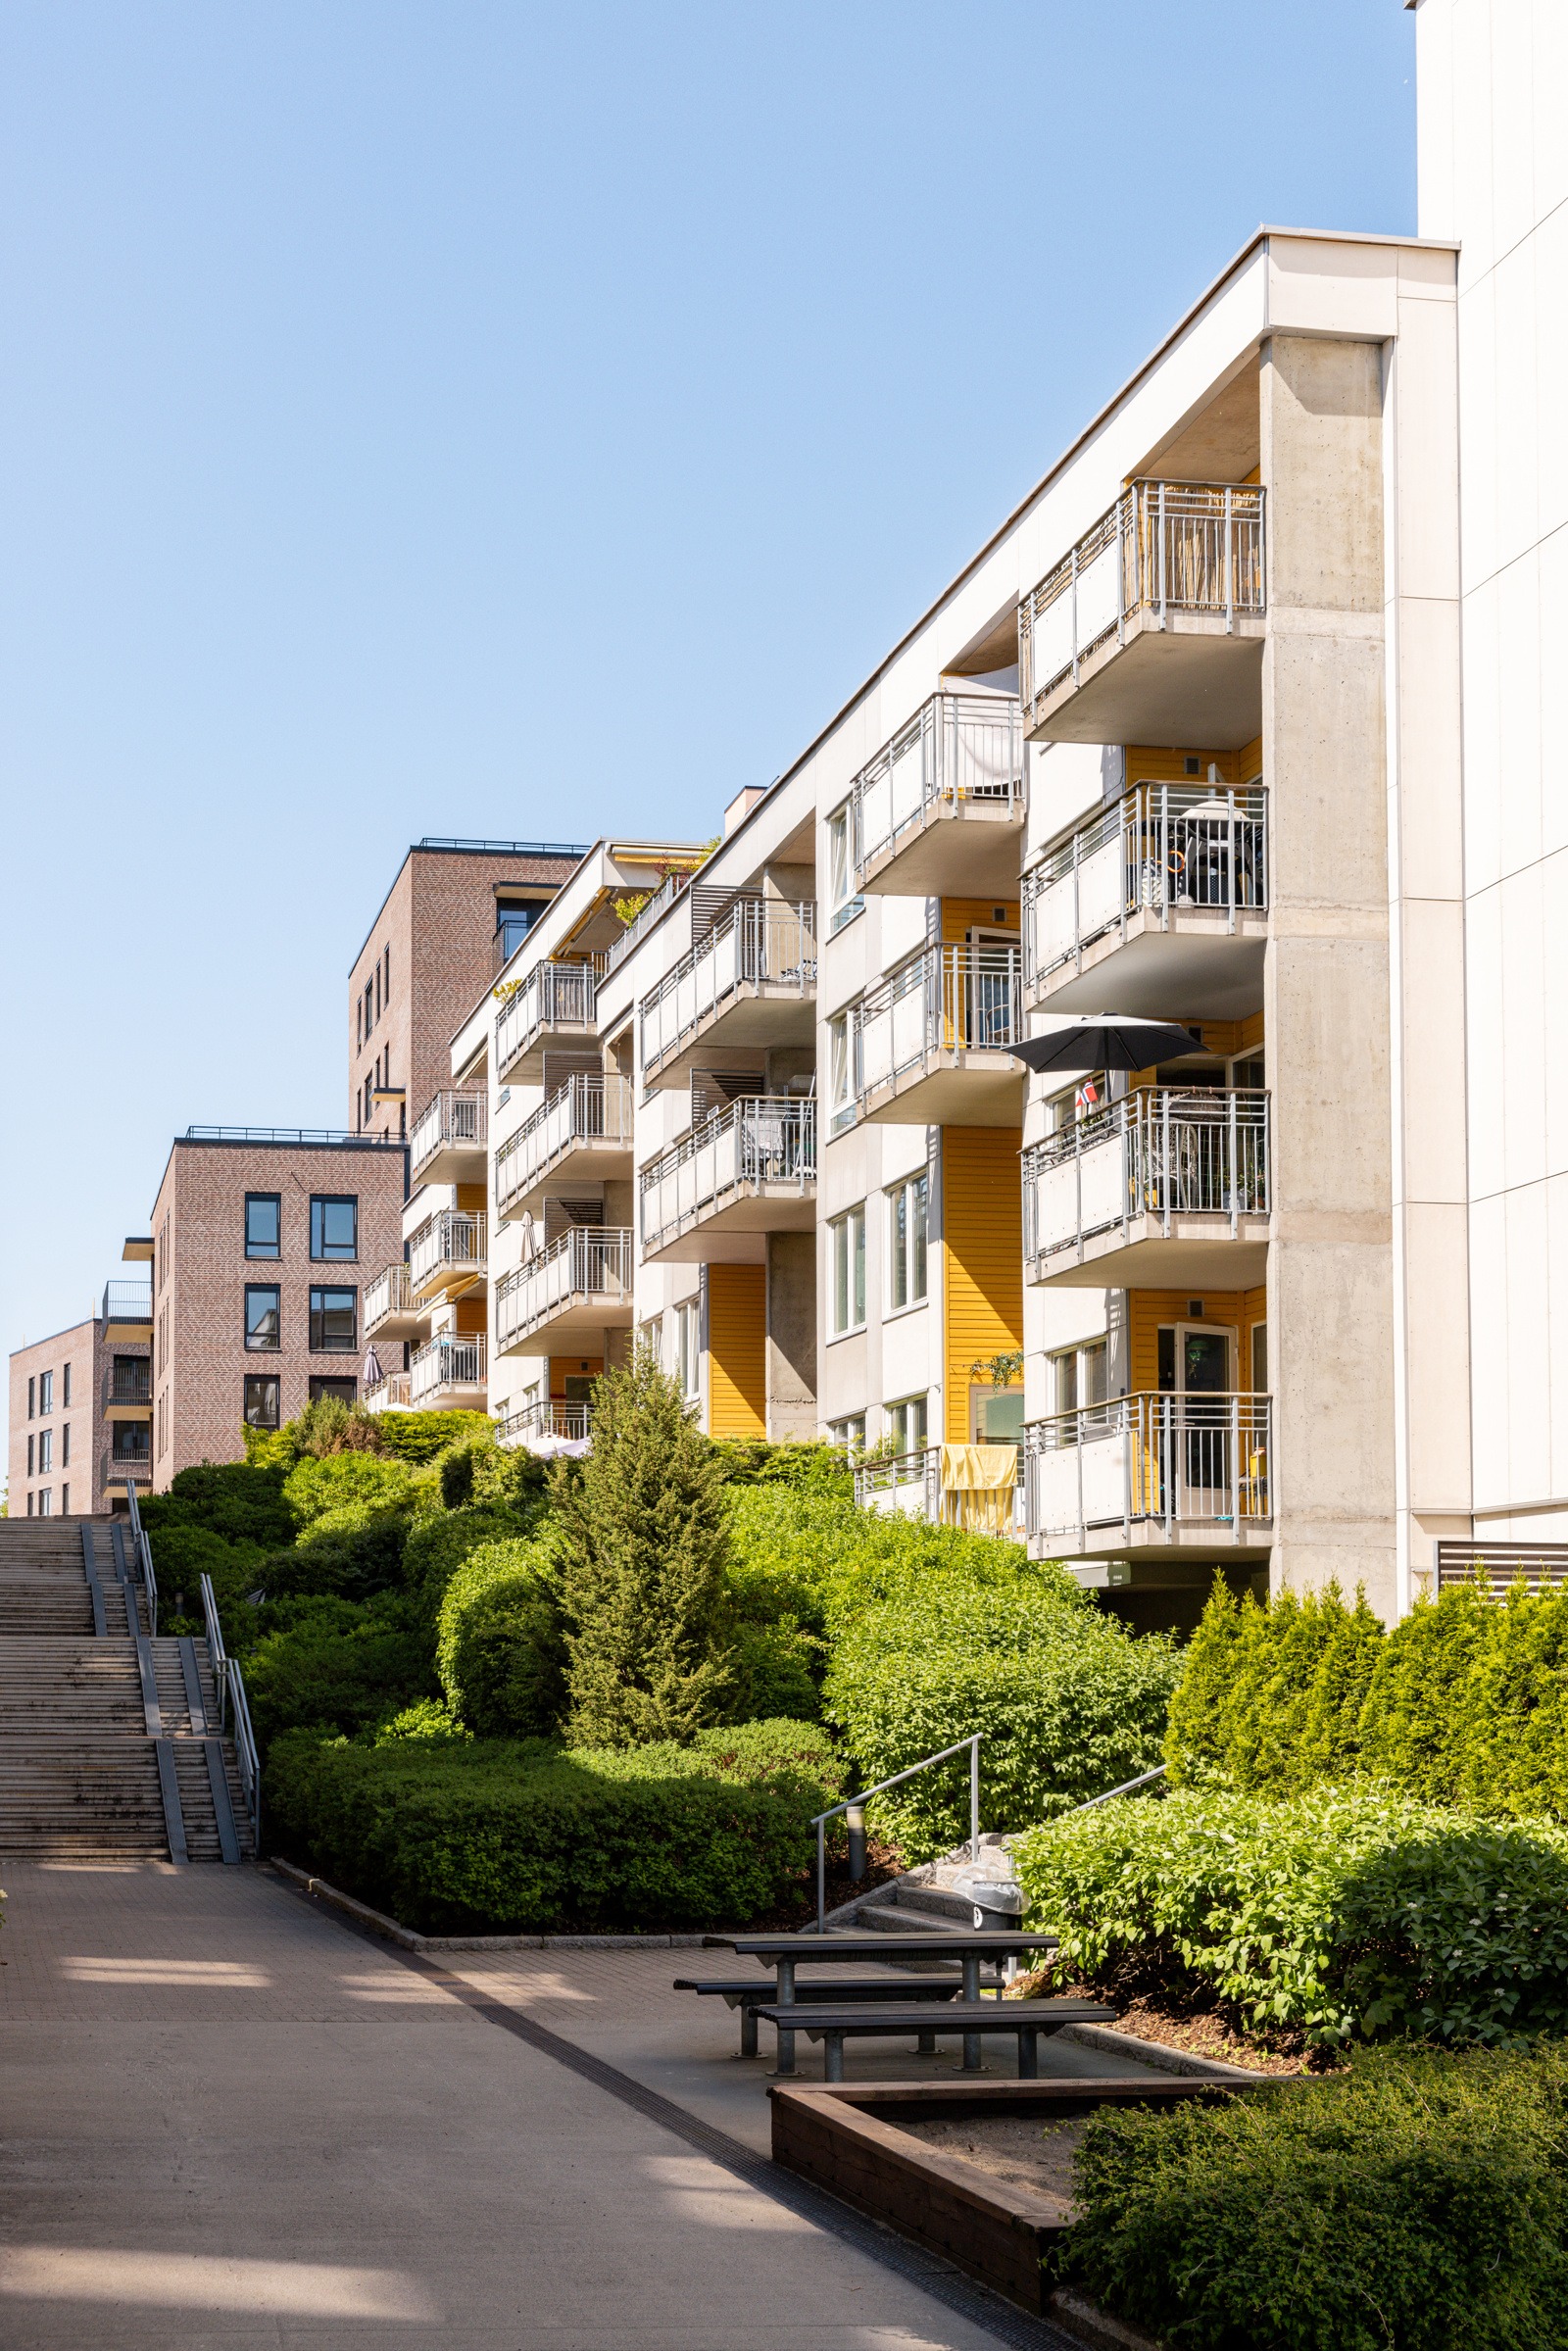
804	1465
229	1498
417	1438
1069	1704
491	1838
438	1545
784	1746
1418	2201
829	1559
332	1665
1342	1913
499	1649
315	1488
426	1718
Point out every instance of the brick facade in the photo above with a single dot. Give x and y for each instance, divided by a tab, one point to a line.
427	960
76	1480
201	1273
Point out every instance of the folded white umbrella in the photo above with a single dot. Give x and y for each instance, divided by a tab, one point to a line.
370	1371
1106	1041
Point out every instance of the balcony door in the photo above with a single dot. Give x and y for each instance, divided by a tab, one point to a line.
1197	1367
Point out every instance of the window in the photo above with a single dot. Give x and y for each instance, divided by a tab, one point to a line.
263	1224
1260	1358
851	1433
651	1335
46	1452
47	1393
344	1391
1078	1376
32	1398
848	1234
386	974
515	919
31	1442
333	1322
45	1507
133	1441
843	903
65	1390
263	1319
908	1205
260	1403
688	1363
64	1501
65	1447
378	988
30	1506
907	1425
843	1054
334	1226
369	1021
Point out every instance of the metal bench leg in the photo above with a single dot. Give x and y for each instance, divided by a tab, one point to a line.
972	2063
832	2056
926	2044
785	2063
1028	2056
748	2030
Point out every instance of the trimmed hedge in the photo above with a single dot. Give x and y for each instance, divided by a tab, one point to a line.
499	1649
1464	1702
1417	2202
1344	1913
498	1838
334	1665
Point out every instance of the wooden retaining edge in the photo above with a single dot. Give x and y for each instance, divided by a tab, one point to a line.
379	1924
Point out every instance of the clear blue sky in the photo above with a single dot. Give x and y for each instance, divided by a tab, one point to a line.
491	418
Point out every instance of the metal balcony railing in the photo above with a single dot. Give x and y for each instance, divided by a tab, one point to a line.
943	999
957	750
131	1444
1159	1152
128	1301
394	1393
388	1295
566	1421
589	1261
641	924
759	1138
1169	1461
1164	547
762	944
445	1362
450	1118
585	1109
1162	849
452	1241
910	1485
548	996
125	1386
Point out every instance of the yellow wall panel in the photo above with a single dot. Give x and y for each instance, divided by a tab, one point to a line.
737	1346
961	916
982	1257
1146	1309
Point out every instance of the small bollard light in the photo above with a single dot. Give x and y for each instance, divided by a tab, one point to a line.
855	1822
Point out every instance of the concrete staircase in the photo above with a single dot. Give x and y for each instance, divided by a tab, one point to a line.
108	1740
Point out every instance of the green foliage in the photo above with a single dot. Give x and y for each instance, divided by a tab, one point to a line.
1344	1913
426	1718
226	1498
439	1545
485	1836
1416	2201
805	1466
499	1649
315	1486
1068	1702
334	1665
417	1438
642	1540
1464	1702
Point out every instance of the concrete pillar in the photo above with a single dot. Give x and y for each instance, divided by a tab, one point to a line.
791	1334
1326	975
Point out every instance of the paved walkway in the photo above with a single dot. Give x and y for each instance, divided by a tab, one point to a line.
227	2120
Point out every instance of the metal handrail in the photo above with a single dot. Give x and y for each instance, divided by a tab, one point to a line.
126	1302
450	1117
393	1281
957	749
450	1237
141	1550
857	1802
585	1262
1156	851
446	1361
1151	1458
547	996
230	1683
758	943
586	1108
1161	1151
670	889
569	1421
756	1139
939	1000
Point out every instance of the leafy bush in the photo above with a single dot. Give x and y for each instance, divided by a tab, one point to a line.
1069	1704
804	1465
493	1838
1418	2201
829	1559
315	1486
228	1498
438	1545
417	1438
499	1649
794	1757
335	1666
1343	1913
426	1718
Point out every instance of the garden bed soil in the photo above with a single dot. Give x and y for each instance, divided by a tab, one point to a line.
1157	1999
1032	2153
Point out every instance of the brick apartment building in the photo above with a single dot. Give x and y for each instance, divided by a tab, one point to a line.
80	1417
263	1239
454	912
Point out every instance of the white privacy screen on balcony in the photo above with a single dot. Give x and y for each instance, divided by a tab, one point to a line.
585	1109
760	944
589	1260
1161	849
1161	1151
1196	1460
944	999
760	1140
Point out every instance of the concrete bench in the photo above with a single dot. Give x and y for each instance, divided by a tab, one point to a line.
749	1993
977	2019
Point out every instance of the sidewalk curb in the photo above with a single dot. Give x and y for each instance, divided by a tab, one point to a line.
406	1938
1161	2054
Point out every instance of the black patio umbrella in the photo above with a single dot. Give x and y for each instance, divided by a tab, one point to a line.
1106	1041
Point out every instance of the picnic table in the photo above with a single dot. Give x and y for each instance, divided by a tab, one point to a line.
1024	2020
787	1952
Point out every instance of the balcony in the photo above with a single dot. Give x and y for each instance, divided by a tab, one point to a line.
1149	630
553	1004
448	1142
127	1392
394	1393
931	1044
391	1309
447	1255
751	1168
1166	1190
127	1312
575	1290
584	1130
750	981
1172	881
940	810
911	1486
447	1375
546	1427
1151	1471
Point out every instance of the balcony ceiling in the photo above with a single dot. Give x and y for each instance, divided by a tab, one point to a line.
966	1090
967	850
737	1234
1188	682
750	1020
1212	973
1198	1255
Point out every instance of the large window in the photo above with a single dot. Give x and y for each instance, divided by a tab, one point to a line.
688	1363
264	1332
46	1452
343	1391
848	1237
334	1322
907	1210
907	1425
850	1434
46	1392
334	1226
262	1402
131	1441
843	903
263	1224
842	1074
1078	1376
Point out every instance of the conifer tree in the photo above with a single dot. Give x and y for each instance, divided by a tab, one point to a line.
643	1538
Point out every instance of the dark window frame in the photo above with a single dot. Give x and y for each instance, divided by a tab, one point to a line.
263	1346
258	1249
334	1384
320	1342
261	1380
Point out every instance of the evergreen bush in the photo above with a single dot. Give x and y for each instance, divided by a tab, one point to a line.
499	1649
333	1481
334	1665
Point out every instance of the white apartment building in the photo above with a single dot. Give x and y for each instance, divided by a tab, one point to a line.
1230	724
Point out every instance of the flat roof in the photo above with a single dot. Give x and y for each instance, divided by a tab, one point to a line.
435	844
